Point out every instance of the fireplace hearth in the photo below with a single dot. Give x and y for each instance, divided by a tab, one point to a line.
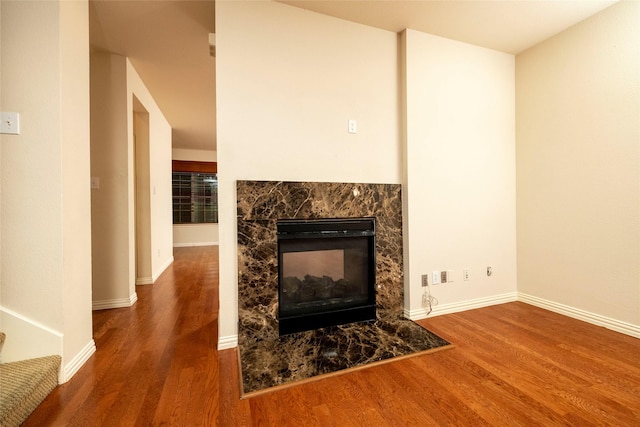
270	359
326	273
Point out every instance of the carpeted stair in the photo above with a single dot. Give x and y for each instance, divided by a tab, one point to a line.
24	385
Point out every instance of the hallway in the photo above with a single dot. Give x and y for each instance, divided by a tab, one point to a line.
156	362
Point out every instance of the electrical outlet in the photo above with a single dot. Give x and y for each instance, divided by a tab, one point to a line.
443	277
465	275
425	280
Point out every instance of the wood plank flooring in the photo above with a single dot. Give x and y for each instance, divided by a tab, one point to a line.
512	365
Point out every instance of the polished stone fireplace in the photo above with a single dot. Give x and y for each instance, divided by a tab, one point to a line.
269	358
326	272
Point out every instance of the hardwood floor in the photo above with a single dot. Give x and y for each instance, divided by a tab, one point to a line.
513	364
156	362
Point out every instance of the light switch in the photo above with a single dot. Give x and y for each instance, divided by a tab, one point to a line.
10	123
435	277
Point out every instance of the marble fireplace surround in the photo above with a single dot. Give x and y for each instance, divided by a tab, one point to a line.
267	359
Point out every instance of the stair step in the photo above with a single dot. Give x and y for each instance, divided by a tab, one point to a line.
24	385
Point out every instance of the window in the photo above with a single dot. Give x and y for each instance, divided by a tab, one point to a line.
195	192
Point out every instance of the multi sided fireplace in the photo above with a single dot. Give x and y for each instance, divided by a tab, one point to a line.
326	273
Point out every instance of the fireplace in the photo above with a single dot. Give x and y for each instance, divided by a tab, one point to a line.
326	273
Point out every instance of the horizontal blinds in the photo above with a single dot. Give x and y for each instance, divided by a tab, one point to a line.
195	197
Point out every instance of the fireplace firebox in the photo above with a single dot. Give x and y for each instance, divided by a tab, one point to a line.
326	273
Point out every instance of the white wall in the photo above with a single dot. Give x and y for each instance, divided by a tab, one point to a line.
194	234
460	171
288	81
578	160
114	84
46	256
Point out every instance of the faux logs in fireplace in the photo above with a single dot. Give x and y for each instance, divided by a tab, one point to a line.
326	273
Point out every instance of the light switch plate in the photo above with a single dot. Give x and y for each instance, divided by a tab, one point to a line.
435	277
10	123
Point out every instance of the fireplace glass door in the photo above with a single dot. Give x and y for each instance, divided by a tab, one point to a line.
326	273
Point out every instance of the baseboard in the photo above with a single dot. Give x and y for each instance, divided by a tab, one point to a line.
144	281
225	343
188	245
27	338
586	316
74	365
457	307
150	280
115	303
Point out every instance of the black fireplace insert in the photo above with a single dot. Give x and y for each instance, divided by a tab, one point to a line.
326	273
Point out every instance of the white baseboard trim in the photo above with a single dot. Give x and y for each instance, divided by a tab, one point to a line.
188	245
586	316
74	365
423	313
144	281
150	280
115	303
225	343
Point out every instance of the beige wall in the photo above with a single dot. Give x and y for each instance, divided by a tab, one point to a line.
46	256
288	81
161	219
142	199
194	155
459	189
578	166
114	84
316	73
1	311
110	202
195	234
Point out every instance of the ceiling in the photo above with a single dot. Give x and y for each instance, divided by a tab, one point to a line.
168	44
167	41
510	26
